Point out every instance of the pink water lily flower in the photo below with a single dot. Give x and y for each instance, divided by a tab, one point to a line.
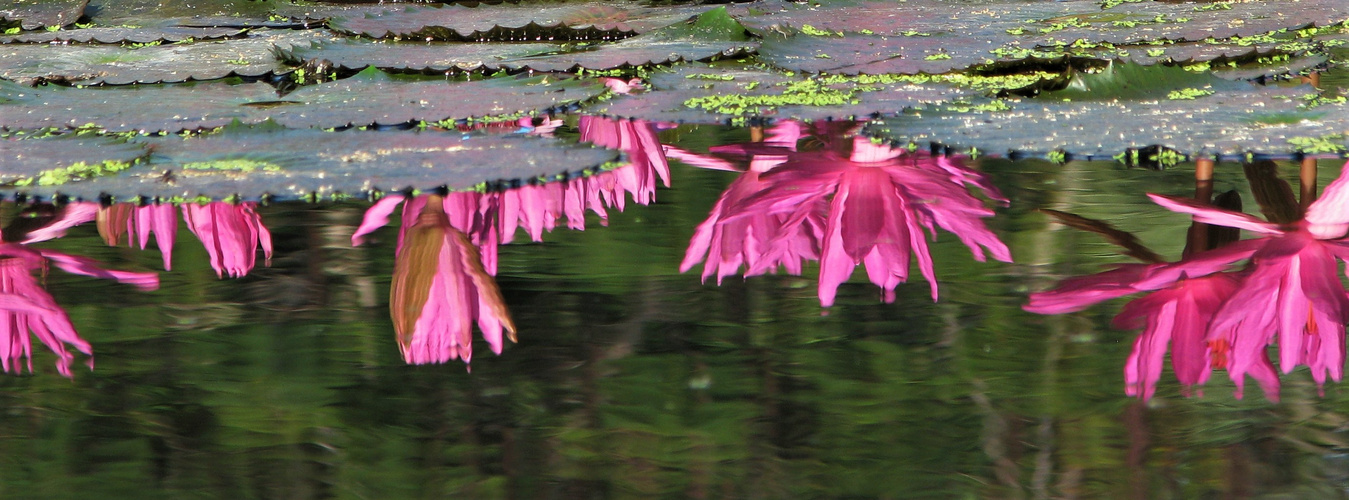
232	233
879	202
442	284
25	307
158	219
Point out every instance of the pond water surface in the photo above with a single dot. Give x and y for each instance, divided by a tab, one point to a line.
630	379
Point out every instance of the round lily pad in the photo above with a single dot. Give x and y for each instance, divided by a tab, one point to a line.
252	161
705	94
38	14
160	63
162	34
1135	108
589	20
368	98
34	161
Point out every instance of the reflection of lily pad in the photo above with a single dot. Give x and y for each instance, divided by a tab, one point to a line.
37	14
169	34
703	94
117	65
287	163
591	20
1193	115
44	161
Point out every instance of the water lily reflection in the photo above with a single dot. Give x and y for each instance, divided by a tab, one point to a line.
25	307
231	232
1288	293
442	284
850	202
119	219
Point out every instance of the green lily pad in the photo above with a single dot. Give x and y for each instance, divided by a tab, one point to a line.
38	14
39	161
120	65
148	108
169	34
1133	108
373	97
252	161
368	98
706	94
590	20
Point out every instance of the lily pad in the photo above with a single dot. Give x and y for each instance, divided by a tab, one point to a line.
205	13
252	161
170	34
148	108
368	98
53	159
591	20
706	94
119	65
1044	23
711	35
38	14
373	97
1133	109
439	57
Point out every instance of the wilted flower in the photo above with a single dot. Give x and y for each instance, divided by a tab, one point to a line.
232	233
441	285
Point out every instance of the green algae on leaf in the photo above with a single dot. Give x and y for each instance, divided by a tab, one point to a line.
252	161
51	160
740	93
1225	122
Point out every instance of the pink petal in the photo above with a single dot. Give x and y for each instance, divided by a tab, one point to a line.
376	216
1208	214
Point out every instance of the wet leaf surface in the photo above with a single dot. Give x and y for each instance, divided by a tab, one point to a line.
26	160
369	98
515	22
440	57
1046	23
1102	116
250	161
38	14
165	63
170	34
199	13
373	97
696	93
148	108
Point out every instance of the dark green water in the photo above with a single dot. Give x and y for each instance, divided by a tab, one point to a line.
631	380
